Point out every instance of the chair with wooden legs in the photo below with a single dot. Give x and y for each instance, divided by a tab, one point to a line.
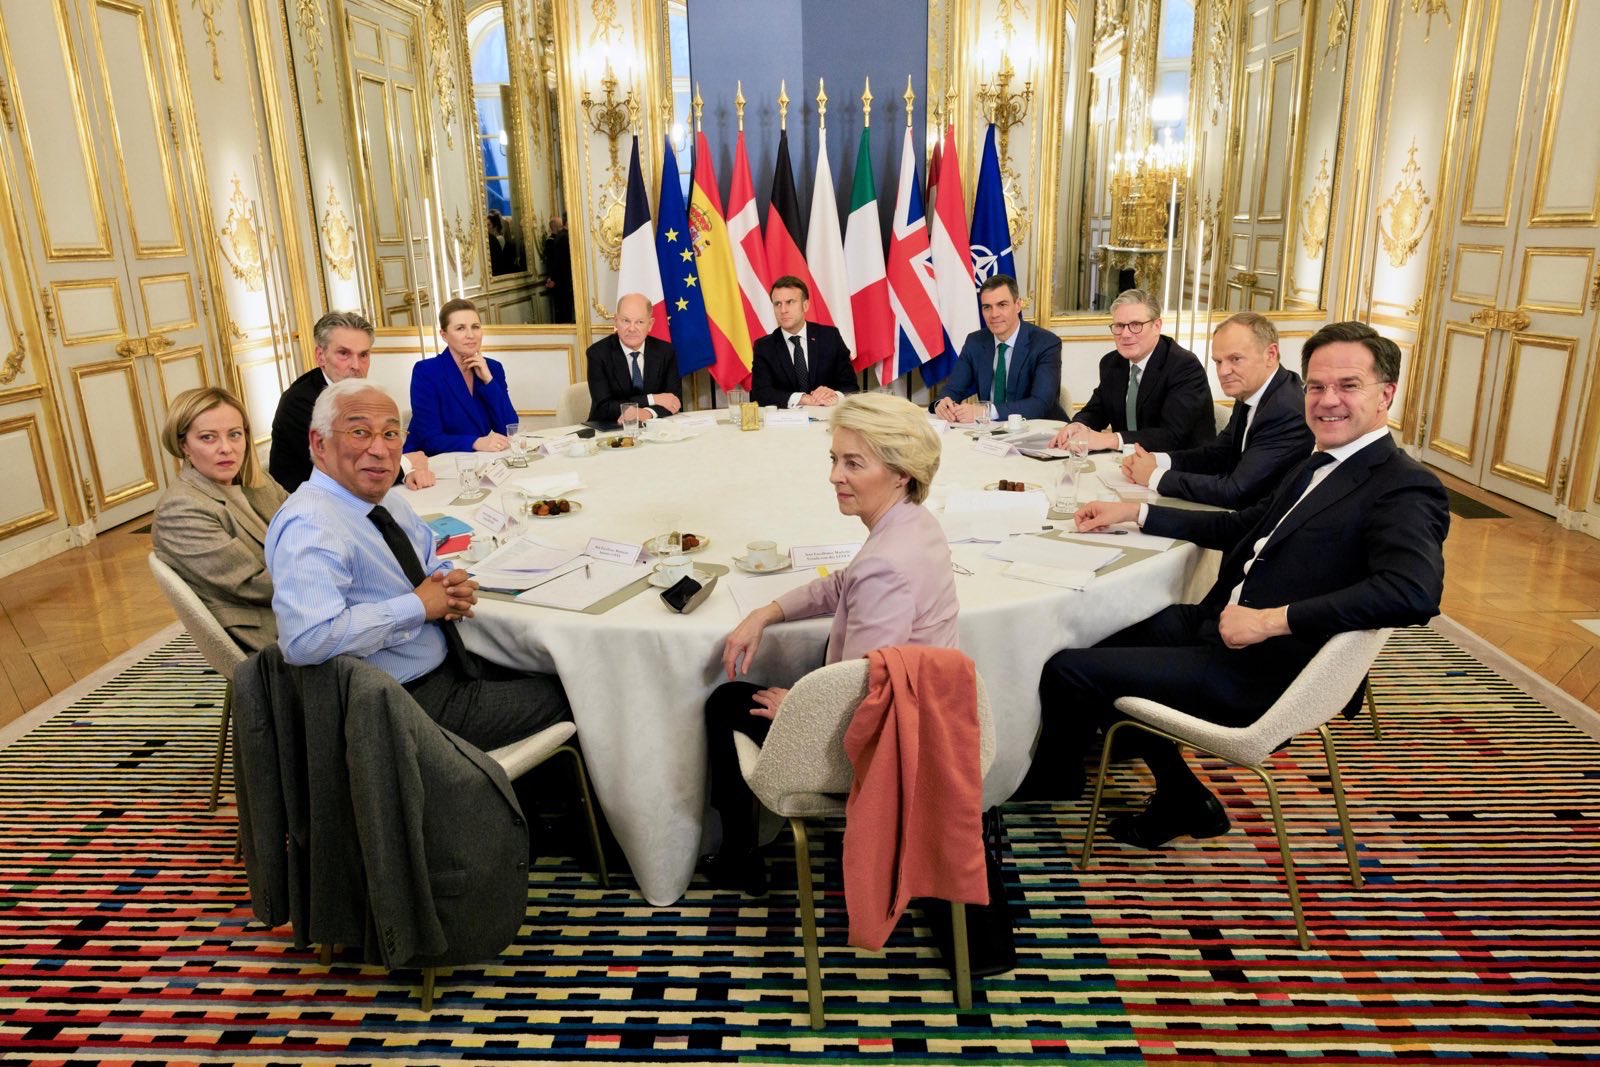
219	650
1315	697
801	772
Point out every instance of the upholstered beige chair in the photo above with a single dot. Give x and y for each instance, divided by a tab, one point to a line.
1319	694
801	772
219	650
573	407
1066	400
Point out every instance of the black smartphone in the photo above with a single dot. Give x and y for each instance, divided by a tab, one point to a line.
686	595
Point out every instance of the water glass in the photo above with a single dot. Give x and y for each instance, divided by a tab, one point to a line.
514	435
470	478
630	419
981	417
736	396
1068	486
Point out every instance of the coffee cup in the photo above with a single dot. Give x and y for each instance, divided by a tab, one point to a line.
675	568
1014	422
478	548
762	554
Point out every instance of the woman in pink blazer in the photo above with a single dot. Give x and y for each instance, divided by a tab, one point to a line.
899	590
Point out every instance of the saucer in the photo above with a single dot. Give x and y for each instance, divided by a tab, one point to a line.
661	581
783	564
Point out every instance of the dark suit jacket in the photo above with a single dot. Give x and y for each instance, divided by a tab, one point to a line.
1033	374
827	363
1221	473
1174	400
611	381
350	818
289	461
447	418
1363	550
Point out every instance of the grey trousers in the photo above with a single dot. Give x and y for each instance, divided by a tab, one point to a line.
498	707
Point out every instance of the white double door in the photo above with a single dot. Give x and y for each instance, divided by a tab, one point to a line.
1517	330
91	145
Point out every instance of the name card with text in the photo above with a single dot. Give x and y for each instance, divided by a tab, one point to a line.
614	551
805	556
496	473
991	447
490	518
787	418
557	445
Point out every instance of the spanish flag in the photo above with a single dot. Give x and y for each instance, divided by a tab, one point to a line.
719	284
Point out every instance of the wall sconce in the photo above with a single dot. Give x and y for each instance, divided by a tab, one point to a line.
613	118
1003	107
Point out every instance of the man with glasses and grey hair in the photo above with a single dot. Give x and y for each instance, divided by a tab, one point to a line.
1152	391
343	350
355	573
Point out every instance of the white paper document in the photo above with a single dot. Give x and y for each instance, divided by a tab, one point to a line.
552	484
786	418
1127	535
583	585
752	591
1112	478
699	420
979	515
1033	572
521	581
527	555
1058	555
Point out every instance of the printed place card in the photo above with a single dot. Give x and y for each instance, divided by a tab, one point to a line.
558	444
804	556
991	447
614	551
496	473
787	418
491	518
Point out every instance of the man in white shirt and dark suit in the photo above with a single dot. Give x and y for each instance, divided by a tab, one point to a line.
800	364
632	367
1012	367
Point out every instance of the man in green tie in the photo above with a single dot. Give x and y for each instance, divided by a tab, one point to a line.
1010	367
1152	392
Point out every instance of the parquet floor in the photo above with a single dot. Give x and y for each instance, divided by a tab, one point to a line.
1519	582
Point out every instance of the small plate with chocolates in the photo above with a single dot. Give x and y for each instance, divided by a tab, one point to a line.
677	544
1005	486
550	507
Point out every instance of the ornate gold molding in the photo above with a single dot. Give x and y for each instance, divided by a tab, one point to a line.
605	22
1404	208
309	18
444	74
1431	8
1338	29
1006	11
467	238
1315	212
5	104
208	18
14	360
339	236
1110	19
240	240
1219	53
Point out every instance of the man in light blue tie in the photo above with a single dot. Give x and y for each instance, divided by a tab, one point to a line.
1011	367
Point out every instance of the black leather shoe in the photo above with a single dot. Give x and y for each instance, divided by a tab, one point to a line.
745	871
1165	818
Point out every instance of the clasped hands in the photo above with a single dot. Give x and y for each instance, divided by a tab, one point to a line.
447	595
820	397
948	410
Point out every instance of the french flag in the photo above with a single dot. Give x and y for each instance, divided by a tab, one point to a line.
639	272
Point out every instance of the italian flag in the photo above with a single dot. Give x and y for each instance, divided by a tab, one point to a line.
863	263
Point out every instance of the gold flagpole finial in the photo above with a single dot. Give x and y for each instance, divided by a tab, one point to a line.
699	106
738	103
911	101
866	104
950	96
783	105
822	106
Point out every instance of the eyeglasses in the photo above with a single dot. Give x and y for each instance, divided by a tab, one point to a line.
1316	390
364	436
1135	328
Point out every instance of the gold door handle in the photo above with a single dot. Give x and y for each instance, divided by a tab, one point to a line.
1496	319
1247	278
158	343
133	346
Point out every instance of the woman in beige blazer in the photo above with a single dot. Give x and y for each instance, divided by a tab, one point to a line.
210	524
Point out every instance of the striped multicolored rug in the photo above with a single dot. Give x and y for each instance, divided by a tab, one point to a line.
125	934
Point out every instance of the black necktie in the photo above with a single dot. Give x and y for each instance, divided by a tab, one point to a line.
411	566
799	362
1297	488
638	375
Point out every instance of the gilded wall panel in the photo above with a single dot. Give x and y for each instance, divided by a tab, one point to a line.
60	163
1458	406
1499	107
29	499
1567	175
1532	416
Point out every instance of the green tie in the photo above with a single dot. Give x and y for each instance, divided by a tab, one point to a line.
1132	406
999	390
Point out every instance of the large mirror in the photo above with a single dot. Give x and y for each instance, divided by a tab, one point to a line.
453	110
1199	161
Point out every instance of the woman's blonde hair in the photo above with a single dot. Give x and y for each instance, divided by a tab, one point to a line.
896	431
190	405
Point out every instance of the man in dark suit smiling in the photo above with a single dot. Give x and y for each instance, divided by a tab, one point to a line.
1012	367
1351	540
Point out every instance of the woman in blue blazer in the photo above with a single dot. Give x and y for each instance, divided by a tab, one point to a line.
459	401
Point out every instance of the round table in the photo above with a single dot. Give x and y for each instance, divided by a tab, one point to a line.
638	675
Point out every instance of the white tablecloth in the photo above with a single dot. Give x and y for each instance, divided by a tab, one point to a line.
638	676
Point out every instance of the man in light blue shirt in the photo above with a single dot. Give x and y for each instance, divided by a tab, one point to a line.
355	573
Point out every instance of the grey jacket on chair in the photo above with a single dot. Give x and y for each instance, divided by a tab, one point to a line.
366	823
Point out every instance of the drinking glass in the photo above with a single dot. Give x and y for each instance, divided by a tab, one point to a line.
630	419
981	417
1078	445
470	478
736	396
1068	485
